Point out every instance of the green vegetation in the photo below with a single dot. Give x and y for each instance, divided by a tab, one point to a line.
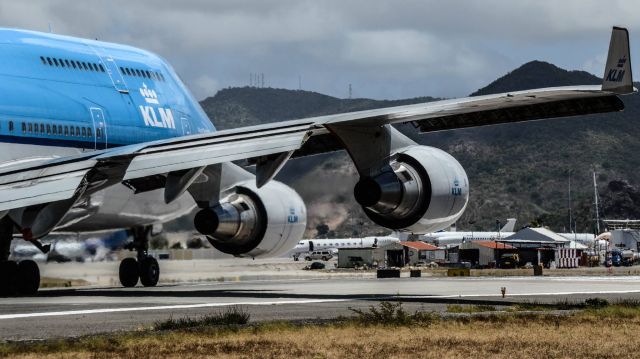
233	315
519	169
456	308
392	313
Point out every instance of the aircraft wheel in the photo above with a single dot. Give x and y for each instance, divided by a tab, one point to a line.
8	277
149	272
129	272
28	280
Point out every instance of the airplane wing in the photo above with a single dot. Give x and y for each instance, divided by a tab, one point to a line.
31	183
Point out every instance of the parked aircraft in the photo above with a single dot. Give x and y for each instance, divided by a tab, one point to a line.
100	136
333	244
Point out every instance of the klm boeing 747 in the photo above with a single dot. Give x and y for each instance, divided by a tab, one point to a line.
98	136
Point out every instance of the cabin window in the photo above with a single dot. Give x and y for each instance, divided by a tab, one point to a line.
24	127
89	134
55	61
71	131
77	131
147	74
138	73
49	61
122	70
66	130
10	126
162	77
42	128
98	133
84	64
126	70
30	127
61	62
60	129
35	128
43	60
101	68
84	132
95	66
73	63
48	129
68	63
55	130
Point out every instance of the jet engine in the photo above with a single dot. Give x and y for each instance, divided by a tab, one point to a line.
423	190
253	222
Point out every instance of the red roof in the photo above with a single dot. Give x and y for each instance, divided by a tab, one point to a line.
421	246
493	244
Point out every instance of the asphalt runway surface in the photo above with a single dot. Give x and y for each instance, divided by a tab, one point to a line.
82	311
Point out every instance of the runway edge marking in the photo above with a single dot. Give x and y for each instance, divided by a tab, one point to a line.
162	307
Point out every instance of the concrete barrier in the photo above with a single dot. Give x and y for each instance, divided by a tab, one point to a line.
388	273
415	273
537	270
458	272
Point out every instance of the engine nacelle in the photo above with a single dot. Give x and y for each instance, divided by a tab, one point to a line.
425	191
255	222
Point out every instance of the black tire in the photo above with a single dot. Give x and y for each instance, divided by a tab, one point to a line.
325	258
28	277
129	272
8	278
308	259
149	272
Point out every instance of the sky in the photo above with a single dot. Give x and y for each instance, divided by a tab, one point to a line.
384	49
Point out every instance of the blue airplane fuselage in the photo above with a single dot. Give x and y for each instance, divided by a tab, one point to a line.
67	92
60	96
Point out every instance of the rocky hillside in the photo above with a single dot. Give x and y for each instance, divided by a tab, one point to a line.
520	169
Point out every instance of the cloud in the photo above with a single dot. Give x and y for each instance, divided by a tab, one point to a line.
386	49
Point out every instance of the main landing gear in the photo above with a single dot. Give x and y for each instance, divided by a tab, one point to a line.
15	278
143	267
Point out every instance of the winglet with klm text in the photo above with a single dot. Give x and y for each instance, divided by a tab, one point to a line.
617	73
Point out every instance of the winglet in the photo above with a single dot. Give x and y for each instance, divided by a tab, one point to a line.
617	74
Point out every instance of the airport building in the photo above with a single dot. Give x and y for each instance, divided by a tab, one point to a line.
397	254
483	253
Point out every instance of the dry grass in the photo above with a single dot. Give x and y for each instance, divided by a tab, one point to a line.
595	333
48	282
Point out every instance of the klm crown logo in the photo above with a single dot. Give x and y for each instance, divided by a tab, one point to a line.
456	190
292	217
149	95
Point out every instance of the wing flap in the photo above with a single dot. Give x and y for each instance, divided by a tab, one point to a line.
174	157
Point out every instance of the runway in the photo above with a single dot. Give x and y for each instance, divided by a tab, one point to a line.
81	311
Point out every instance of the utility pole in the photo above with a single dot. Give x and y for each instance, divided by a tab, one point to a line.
595	195
570	214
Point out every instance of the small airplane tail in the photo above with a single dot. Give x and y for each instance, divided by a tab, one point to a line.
617	73
510	226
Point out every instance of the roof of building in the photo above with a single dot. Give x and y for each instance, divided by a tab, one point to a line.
537	235
493	244
421	246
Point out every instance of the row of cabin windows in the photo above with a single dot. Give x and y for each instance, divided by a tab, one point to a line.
142	73
72	64
56	130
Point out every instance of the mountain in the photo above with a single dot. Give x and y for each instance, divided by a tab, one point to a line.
537	74
247	106
517	170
